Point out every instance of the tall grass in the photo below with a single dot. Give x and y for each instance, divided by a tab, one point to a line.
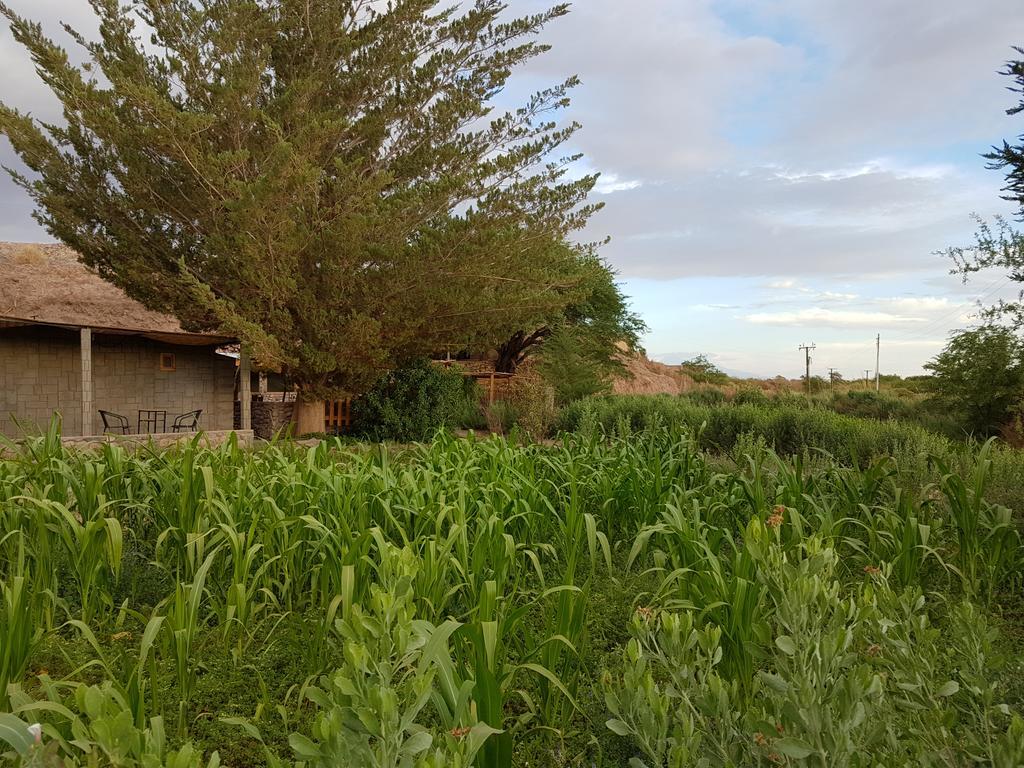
792	427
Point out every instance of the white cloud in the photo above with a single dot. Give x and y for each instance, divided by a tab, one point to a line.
610	183
832	318
755	223
887	344
919	303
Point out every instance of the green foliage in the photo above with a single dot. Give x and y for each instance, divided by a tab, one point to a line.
1011	156
789	428
453	603
328	182
850	676
703	371
93	726
472	413
570	363
502	416
412	403
709	396
370	708
980	374
750	396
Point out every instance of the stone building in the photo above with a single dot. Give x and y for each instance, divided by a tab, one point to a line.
73	344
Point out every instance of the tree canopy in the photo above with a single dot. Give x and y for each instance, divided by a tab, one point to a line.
328	181
598	319
999	245
1011	156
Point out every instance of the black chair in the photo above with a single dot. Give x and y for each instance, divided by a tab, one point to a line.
115	422
187	422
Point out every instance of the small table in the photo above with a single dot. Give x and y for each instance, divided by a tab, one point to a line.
151	419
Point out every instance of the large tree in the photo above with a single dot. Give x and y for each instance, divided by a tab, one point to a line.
325	180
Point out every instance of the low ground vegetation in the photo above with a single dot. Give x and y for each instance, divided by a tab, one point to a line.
620	597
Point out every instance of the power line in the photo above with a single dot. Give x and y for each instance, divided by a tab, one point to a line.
878	353
807	361
939	323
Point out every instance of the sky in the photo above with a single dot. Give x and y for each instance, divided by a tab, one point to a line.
775	172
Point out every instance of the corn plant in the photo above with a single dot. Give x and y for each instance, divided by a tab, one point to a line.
988	540
92	546
20	630
182	622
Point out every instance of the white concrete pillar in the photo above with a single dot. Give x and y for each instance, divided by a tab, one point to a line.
245	388
87	409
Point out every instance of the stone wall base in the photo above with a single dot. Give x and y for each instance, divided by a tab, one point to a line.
158	440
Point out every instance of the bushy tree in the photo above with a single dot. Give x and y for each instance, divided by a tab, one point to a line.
703	371
979	376
326	180
599	319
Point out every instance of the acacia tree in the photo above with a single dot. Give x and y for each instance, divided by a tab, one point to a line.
598	322
980	375
325	180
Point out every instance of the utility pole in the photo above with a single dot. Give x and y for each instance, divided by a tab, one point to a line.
807	363
867	372
832	381
878	350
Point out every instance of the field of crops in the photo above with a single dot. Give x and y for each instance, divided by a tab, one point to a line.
605	600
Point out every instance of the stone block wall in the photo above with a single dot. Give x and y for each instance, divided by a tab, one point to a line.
268	416
40	373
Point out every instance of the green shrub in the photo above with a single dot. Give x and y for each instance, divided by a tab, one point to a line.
502	416
534	402
706	396
751	396
979	376
472	413
411	404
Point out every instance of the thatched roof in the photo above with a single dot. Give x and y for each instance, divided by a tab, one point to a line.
45	284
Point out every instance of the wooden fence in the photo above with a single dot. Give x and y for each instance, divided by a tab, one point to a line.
337	415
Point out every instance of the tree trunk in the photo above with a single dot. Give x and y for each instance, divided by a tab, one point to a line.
309	416
513	352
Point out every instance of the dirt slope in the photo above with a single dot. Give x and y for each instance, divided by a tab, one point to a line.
646	377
